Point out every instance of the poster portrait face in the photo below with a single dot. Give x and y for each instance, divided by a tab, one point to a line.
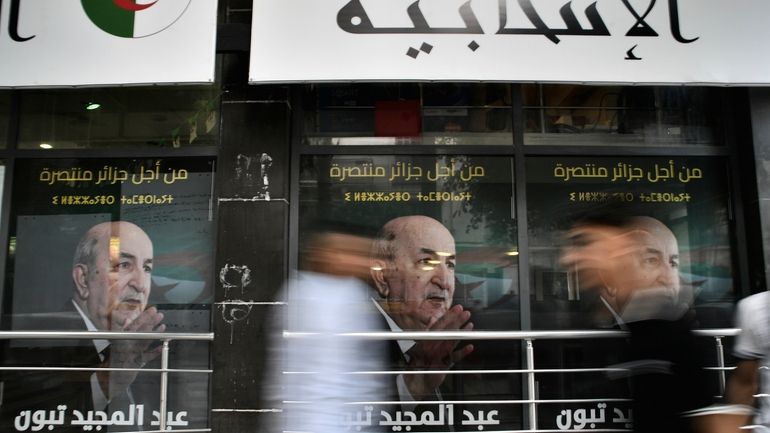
165	207
648	260
418	280
110	244
112	273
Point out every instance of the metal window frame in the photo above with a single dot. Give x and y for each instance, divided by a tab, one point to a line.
726	151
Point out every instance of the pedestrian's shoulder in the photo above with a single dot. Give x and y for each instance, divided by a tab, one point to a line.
757	301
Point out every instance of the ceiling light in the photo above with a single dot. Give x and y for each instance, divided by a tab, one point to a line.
93	106
512	253
45	146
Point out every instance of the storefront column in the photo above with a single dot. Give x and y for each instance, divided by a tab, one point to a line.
760	123
251	252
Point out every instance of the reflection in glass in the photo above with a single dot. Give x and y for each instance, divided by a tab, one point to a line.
600	231
686	194
615	115
120	117
5	112
446	239
68	396
408	113
114	244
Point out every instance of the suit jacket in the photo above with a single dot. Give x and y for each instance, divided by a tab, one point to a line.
34	390
48	390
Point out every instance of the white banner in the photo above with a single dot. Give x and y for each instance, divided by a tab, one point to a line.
106	42
597	41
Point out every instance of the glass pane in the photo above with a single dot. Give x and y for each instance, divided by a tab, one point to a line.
447	237
675	238
686	194
5	113
120	117
109	245
626	116
408	113
235	11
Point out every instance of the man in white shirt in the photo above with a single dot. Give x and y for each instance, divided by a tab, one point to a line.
752	348
310	378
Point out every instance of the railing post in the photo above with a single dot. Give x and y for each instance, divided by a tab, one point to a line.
163	385
721	364
531	389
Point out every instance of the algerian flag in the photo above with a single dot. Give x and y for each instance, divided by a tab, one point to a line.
134	18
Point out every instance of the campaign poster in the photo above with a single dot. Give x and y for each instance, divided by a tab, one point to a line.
467	202
108	244
685	196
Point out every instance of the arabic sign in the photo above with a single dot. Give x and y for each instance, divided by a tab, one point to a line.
407	171
96	42
94	420
169	198
110	245
407	420
471	197
688	196
632	181
599	41
596	418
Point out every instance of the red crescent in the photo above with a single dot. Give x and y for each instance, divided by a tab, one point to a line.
130	5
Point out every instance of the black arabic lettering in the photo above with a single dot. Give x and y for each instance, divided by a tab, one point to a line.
673	12
641	27
573	27
352	18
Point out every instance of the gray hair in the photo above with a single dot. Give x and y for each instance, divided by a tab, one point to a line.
87	248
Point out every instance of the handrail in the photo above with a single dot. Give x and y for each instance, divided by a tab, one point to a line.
164	337
720	332
498	335
529	372
104	335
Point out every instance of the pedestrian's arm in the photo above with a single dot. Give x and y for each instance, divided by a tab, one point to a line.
743	383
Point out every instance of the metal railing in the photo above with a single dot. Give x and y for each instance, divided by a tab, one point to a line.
164	370
529	370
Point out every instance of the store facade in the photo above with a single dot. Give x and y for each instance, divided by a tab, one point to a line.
227	179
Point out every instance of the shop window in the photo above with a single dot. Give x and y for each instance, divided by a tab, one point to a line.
408	113
235	11
109	244
615	240
5	110
622	116
686	195
156	117
456	233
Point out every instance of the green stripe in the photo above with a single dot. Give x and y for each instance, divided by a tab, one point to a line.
110	18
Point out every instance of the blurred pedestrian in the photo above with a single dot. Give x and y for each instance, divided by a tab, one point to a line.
310	376
752	350
634	264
